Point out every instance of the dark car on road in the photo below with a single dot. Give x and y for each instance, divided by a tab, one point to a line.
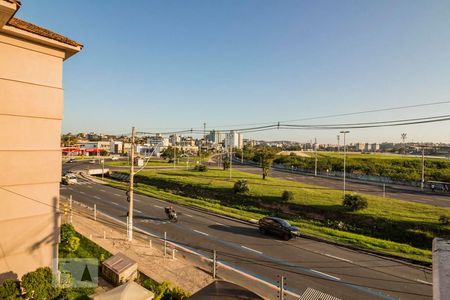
277	226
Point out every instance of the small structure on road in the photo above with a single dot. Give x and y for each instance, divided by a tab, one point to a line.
119	269
129	290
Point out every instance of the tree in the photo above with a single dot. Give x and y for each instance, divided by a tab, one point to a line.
226	164
265	155
38	285
168	153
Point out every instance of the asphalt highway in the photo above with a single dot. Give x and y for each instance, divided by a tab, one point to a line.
334	270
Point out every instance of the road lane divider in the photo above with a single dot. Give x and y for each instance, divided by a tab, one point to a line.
424	282
338	258
115	203
188	215
83	193
326	275
250	249
118	195
157	206
102	190
97	197
200	232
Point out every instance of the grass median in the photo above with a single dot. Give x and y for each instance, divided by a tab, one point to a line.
396	227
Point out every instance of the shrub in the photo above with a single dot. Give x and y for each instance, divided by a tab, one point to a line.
241	187
287	196
73	244
10	289
178	294
443	220
67	231
201	168
354	202
38	284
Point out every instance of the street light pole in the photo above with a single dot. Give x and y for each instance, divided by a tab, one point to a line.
131	189
345	154
422	183
315	155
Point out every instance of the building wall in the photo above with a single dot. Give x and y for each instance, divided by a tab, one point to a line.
31	109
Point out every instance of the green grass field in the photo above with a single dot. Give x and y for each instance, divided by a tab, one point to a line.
391	226
181	162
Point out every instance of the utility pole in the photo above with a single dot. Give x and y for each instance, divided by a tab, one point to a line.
131	189
315	154
403	135
345	154
422	183
204	138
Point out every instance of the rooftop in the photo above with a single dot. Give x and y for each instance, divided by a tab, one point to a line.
32	28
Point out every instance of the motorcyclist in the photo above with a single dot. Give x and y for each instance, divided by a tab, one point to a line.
169	211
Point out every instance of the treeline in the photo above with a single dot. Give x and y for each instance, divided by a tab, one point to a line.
394	168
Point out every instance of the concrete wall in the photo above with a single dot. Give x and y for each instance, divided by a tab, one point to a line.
31	108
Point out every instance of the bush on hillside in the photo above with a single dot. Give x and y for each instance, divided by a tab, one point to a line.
354	202
201	168
241	187
443	220
10	290
287	196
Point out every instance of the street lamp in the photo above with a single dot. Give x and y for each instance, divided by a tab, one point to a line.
345	154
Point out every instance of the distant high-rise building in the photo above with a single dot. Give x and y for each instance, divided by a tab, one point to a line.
215	137
234	139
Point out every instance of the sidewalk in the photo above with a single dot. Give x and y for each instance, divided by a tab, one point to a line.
151	261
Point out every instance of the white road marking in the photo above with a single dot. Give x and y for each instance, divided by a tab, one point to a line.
201	232
117	195
101	190
137	210
221	224
137	200
423	281
339	258
88	186
115	203
325	274
97	197
250	249
290	178
188	215
83	193
158	206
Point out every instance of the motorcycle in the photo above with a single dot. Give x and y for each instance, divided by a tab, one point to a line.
172	215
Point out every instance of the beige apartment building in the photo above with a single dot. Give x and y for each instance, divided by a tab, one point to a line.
31	108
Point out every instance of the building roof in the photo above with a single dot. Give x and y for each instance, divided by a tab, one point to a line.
119	263
32	28
129	290
223	290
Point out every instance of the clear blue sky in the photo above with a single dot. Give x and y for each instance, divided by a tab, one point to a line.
177	64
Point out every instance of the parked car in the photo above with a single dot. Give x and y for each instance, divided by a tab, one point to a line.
92	161
278	226
114	158
69	178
